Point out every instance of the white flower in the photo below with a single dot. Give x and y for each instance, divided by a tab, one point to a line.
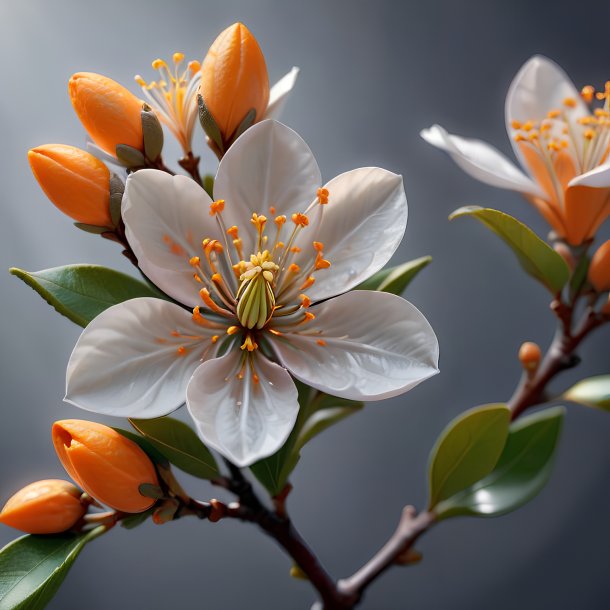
174	96
258	268
562	145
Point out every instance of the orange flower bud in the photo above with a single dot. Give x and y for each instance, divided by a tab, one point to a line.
44	507
599	269
105	464
234	79
75	181
109	112
530	356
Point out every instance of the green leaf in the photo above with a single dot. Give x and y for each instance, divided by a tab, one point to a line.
81	292
94	229
153	453
179	444
32	568
536	257
318	412
395	279
208	185
591	392
467	450
209	124
132	521
521	472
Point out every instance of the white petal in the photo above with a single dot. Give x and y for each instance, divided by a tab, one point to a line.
598	177
481	161
243	420
374	345
361	227
269	165
539	86
279	94
166	218
126	361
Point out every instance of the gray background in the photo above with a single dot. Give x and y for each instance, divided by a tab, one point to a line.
373	74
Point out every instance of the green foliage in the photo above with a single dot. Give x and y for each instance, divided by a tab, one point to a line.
521	472
318	411
179	444
33	567
592	392
536	257
467	450
395	279
156	456
81	292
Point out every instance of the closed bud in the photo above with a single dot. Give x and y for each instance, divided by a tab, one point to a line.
44	507
234	80
599	269
75	181
530	356
109	112
105	464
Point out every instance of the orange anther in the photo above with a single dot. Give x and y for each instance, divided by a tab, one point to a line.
195	260
587	93
515	124
216	278
181	351
308	283
300	219
233	232
305	301
318	245
217	206
215	338
294	268
232	330
553	114
323	196
309	316
321	342
280	220
272	210
569	102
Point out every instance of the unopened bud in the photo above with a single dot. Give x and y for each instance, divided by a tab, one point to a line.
530	356
109	112
75	181
234	80
44	507
599	269
105	464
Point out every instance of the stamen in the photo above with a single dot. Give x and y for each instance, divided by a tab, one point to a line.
323	196
569	102
308	283
232	330
249	344
233	232
300	219
587	93
181	351
321	342
217	206
305	301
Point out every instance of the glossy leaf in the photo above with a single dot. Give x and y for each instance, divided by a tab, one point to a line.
467	450
179	444
81	292
153	453
32	568
318	412
521	472
395	279
536	257
592	392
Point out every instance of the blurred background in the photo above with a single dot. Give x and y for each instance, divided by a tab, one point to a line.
372	75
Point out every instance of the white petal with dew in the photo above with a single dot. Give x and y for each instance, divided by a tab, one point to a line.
126	362
166	217
362	345
279	94
269	165
243	420
361	227
481	161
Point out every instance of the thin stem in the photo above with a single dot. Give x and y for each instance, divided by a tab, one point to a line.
410	527
191	164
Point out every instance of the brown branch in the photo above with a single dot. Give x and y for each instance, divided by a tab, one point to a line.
410	527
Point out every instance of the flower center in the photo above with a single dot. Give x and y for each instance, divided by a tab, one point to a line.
562	146
265	290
